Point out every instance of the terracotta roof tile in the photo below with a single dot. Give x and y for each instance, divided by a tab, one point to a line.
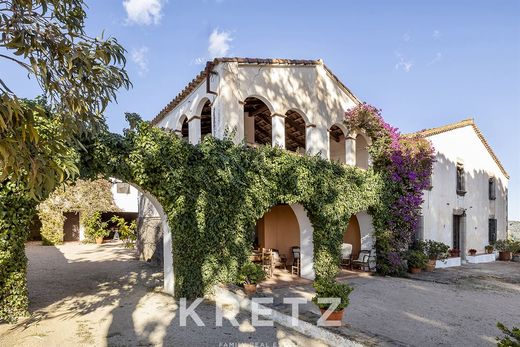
457	125
250	61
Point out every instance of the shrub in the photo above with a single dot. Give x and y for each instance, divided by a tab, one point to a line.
416	258
505	245
512	338
251	273
126	231
95	228
329	288
489	248
434	250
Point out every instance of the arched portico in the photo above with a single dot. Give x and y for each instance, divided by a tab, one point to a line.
337	144
284	227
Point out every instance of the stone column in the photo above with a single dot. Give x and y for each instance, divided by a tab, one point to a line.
317	140
278	124
249	128
194	133
350	150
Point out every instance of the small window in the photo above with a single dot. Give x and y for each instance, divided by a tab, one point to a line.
123	188
492	230
461	180
492	188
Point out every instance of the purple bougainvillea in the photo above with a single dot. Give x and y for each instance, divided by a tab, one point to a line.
405	162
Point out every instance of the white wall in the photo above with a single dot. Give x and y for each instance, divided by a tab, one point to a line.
126	202
464	145
309	90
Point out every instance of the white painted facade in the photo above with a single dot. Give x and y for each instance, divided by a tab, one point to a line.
463	145
127	201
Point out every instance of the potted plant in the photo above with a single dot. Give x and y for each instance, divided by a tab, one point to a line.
454	253
417	260
95	228
328	288
489	249
249	276
504	248
472	252
434	250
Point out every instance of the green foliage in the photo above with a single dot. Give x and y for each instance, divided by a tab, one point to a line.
83	196
489	248
250	273
214	193
16	213
95	227
329	288
416	258
505	246
126	230
78	74
512	338
434	250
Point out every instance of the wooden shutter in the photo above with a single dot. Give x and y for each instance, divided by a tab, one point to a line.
492	230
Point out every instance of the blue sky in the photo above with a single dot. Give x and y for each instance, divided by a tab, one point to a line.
425	63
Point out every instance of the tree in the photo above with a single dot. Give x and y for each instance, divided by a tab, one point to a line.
78	74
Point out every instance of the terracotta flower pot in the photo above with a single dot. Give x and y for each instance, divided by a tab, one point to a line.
431	265
504	256
454	253
415	270
99	240
334	315
472	253
250	288
489	250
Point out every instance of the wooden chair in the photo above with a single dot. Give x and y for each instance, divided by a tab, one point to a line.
267	262
363	260
279	260
296	268
346	255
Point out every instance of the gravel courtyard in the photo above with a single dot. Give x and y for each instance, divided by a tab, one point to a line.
449	307
88	295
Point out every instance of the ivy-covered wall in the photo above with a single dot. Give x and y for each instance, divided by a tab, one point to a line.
16	212
214	193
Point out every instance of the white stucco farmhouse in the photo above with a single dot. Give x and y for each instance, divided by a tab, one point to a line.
466	206
300	105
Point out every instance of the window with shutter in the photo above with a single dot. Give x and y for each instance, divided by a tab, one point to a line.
461	181
492	188
492	230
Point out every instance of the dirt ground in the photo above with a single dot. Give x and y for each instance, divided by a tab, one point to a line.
449	307
88	295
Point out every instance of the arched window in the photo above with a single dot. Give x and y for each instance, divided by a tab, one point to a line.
185	131
257	122
337	150
205	120
294	132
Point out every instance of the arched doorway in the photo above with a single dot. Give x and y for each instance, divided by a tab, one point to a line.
205	120
352	235
337	149
278	229
257	122
295	132
362	156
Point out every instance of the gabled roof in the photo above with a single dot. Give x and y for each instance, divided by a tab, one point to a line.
250	61
458	125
